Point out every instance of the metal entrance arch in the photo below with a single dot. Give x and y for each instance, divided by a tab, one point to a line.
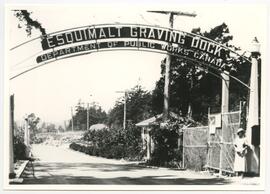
63	44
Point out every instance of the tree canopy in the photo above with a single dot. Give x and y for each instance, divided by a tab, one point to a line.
194	89
95	112
138	107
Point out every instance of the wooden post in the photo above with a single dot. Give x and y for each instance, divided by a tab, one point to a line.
65	126
168	59
125	111
221	153
11	139
225	92
167	77
148	146
183	150
72	124
87	119
26	133
209	143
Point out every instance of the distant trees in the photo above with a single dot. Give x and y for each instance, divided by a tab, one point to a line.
96	115
193	89
138	107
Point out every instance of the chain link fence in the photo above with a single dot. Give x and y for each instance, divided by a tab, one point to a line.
221	146
213	151
195	147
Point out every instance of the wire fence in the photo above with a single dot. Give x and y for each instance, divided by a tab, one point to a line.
215	151
195	147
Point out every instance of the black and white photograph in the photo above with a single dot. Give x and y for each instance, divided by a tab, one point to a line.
135	97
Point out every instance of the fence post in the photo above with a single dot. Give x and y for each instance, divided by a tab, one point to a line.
183	150
221	153
224	119
209	151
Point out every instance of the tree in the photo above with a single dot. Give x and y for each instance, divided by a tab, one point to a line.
51	128
193	89
138	107
60	129
25	18
33	121
96	115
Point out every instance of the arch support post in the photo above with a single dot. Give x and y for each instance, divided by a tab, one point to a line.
225	92
224	109
253	125
11	139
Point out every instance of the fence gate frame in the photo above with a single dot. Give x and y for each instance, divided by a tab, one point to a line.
223	140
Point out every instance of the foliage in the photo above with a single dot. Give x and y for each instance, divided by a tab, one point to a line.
19	148
24	17
96	115
138	107
33	121
18	142
49	127
194	89
114	143
166	135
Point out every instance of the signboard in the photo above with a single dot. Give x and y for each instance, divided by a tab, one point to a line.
89	39
214	122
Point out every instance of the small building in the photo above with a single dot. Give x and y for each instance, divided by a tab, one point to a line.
146	127
147	141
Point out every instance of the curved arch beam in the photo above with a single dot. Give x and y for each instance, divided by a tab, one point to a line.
189	46
80	54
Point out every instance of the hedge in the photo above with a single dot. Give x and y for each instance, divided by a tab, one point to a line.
112	143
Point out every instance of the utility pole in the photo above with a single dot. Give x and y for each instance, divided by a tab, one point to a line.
87	113
168	59
87	119
72	119
26	131
125	111
65	126
125	108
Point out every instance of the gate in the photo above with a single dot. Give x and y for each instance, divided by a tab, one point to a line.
221	148
212	151
195	147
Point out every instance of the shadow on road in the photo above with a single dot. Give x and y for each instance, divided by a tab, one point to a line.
48	173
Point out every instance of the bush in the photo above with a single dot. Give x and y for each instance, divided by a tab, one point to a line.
19	149
113	143
167	152
38	140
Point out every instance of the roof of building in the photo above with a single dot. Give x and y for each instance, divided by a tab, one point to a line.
153	120
150	121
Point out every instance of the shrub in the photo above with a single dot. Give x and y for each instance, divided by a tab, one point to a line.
114	143
19	149
167	152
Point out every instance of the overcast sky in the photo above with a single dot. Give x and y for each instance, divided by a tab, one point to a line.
51	90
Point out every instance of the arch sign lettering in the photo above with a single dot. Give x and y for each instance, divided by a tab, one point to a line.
88	39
